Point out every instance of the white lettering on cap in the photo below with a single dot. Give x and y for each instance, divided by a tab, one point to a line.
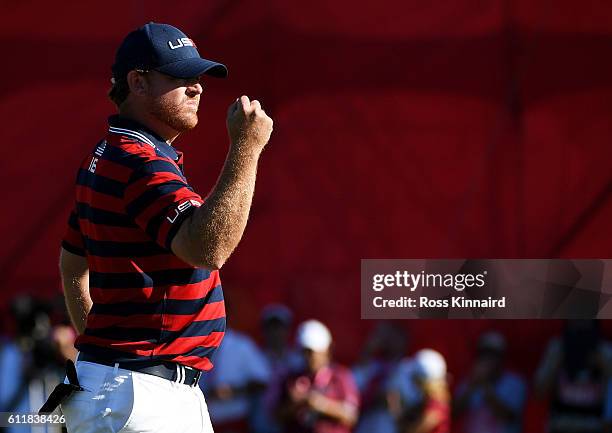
181	42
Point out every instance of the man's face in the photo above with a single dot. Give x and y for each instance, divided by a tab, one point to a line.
315	360
276	333
489	364
173	101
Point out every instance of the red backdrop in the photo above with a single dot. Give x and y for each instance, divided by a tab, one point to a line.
472	128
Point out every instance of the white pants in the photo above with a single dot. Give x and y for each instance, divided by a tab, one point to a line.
118	400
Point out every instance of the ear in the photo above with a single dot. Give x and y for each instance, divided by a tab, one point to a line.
137	83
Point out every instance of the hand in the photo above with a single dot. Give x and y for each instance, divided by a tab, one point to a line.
223	392
63	338
299	390
248	125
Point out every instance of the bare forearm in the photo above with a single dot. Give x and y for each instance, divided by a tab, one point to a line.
78	301
75	281
209	236
215	228
343	412
394	403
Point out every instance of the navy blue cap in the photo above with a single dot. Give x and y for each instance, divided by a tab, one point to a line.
163	48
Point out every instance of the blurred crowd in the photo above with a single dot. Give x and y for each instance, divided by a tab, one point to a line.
290	383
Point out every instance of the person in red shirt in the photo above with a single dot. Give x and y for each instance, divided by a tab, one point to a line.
142	252
323	398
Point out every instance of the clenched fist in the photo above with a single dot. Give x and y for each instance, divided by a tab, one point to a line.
248	124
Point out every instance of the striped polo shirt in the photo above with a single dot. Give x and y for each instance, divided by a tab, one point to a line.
131	197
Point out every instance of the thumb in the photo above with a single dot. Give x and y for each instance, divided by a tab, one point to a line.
246	103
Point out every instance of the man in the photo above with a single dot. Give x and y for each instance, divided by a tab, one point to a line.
575	375
275	324
426	373
30	362
492	399
324	397
380	358
140	261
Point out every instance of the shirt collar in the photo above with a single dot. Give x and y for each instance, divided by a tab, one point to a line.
131	128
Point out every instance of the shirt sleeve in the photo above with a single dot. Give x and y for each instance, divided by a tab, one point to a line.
361	374
513	391
394	383
73	239
256	366
401	381
158	199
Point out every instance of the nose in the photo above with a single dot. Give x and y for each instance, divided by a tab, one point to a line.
195	89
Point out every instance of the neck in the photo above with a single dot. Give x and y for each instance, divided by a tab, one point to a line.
152	123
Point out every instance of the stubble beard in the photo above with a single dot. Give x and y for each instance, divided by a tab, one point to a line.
178	117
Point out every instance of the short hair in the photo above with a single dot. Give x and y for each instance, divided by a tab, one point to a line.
118	93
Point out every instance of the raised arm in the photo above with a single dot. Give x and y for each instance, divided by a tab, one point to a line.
208	237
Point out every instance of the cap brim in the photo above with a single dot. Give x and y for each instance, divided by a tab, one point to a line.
279	319
313	347
194	67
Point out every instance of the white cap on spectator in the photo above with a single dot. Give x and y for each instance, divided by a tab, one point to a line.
313	335
429	364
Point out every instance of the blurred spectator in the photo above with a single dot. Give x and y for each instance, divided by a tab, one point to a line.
276	320
492	398
574	374
403	391
382	353
32	364
427	372
323	398
235	384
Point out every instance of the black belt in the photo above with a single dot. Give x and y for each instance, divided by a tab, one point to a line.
168	370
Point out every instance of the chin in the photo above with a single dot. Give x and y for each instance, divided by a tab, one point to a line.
193	124
184	123
192	120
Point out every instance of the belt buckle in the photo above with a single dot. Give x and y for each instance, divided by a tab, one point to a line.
180	373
